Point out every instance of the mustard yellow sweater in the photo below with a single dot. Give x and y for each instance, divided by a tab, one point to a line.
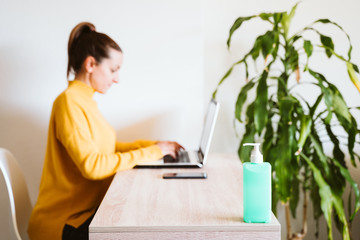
81	159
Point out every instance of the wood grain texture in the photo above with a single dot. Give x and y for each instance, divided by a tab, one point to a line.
140	204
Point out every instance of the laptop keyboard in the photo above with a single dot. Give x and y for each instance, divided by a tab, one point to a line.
183	157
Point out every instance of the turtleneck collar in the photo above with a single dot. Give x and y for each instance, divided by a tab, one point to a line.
83	87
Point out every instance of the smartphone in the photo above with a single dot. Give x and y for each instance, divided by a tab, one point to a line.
188	175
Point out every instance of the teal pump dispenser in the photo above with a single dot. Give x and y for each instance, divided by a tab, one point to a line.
256	188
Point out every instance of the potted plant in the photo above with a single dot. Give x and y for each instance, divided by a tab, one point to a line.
291	128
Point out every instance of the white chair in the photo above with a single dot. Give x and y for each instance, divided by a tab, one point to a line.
18	194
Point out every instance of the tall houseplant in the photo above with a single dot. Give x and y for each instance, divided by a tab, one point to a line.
291	128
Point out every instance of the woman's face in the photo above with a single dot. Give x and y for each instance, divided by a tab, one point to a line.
106	72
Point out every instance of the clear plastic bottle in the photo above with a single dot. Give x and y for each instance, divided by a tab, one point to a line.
256	188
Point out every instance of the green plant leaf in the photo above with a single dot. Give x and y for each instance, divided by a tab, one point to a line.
335	179
351	140
331	173
292	12
238	22
277	18
282	85
286	107
246	71
269	136
294	199
337	153
277	34
265	16
255	51
320	153
268	40
316	104
355	68
274	198
248	137
286	19
328	201
345	173
334	53
316	202
339	208
344	116
227	74
261	111
326	21
284	149
351	68
242	98
267	44
328	97
340	108
306	123
327	43
295	38
291	58
283	167
350	206
308	47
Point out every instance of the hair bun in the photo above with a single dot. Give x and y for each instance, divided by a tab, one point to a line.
86	27
81	28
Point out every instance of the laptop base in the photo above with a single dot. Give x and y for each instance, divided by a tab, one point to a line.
169	166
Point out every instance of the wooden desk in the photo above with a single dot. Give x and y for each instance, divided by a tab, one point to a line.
141	205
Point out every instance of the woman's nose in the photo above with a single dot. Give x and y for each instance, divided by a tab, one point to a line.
116	79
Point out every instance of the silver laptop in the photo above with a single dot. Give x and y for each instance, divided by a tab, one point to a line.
195	158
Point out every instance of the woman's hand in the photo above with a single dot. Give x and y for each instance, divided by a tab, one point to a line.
169	148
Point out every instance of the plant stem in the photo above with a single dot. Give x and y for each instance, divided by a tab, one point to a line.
302	234
288	221
304	226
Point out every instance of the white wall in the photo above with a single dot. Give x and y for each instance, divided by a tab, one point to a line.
160	94
169	47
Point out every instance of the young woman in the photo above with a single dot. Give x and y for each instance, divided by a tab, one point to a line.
82	153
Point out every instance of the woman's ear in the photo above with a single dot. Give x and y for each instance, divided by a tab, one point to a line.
89	64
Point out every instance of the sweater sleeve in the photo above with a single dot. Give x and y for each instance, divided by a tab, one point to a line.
128	146
73	131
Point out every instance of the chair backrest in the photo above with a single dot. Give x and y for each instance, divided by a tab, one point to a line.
18	193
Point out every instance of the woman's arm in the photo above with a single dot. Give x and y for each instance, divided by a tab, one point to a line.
167	147
72	130
128	146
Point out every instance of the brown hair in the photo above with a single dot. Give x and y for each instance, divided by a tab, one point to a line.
84	41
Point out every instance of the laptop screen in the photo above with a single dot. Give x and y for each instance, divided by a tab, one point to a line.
209	127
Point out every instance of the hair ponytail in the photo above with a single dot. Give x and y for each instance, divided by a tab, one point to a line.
84	41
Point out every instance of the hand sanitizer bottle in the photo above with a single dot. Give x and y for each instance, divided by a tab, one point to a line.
256	188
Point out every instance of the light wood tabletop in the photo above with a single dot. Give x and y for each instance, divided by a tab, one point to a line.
140	204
